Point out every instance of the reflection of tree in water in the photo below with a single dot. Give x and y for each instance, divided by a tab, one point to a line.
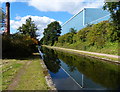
68	60
100	72
51	59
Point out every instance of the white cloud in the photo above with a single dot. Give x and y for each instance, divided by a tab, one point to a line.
1	1
18	17
41	22
71	6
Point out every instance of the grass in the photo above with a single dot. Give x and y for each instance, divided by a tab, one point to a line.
9	69
0	74
32	77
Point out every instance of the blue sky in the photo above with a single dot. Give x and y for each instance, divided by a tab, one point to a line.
44	12
22	9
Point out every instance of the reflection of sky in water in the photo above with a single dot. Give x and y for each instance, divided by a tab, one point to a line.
63	81
61	74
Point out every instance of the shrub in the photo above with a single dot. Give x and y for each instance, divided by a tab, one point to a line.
92	38
17	45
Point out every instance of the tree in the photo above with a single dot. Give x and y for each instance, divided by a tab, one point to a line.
29	28
82	34
51	33
72	30
114	9
2	19
98	34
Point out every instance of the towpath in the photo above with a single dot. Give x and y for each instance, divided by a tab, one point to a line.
104	56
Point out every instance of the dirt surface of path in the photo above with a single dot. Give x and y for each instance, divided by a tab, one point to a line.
101	54
15	81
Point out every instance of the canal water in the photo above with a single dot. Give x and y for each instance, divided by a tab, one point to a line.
75	72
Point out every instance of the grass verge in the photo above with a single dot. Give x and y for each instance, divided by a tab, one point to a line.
27	73
10	67
33	78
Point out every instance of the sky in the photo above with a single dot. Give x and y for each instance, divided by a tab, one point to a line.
43	12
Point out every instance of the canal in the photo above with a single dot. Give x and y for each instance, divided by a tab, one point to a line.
77	72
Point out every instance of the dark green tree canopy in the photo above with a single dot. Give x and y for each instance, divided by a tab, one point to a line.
72	30
51	33
29	28
114	9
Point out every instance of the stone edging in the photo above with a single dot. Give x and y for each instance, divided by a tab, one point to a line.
48	77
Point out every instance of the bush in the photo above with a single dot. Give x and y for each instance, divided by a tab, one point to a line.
97	38
17	45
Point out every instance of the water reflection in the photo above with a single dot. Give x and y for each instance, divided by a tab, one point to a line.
88	72
102	73
54	63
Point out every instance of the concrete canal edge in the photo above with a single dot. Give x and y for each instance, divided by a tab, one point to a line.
48	78
84	54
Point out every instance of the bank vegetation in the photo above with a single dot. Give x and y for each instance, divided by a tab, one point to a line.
101	37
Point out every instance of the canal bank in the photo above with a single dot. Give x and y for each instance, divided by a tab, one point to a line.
77	72
48	77
106	57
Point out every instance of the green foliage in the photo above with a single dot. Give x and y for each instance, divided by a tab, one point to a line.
72	30
92	38
41	41
97	36
82	34
29	28
17	45
112	33
114	9
67	38
51	33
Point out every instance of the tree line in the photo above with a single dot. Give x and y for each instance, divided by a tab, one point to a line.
98	35
105	34
92	38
